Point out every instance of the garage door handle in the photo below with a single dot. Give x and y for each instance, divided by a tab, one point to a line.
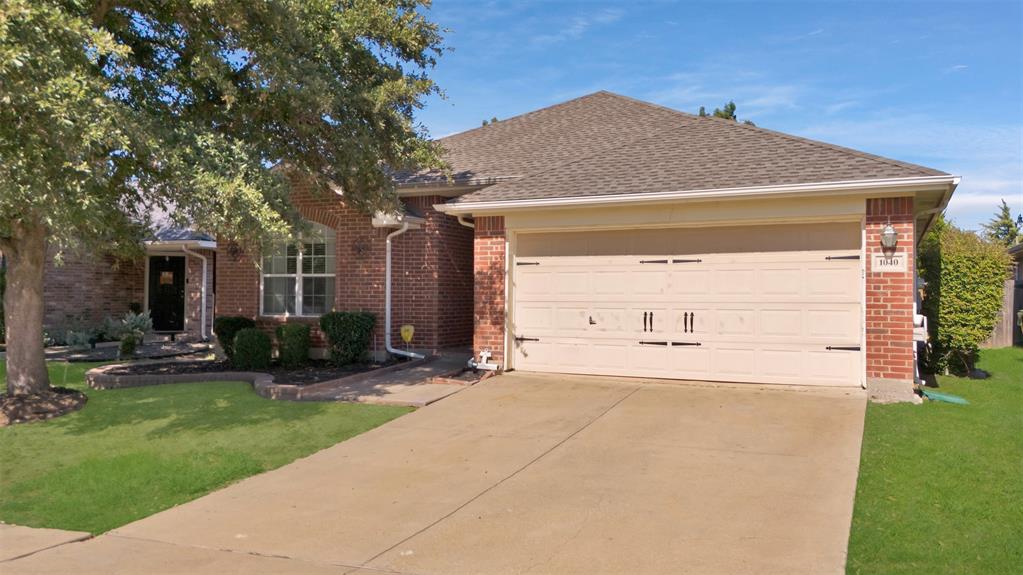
653	343
677	343
843	348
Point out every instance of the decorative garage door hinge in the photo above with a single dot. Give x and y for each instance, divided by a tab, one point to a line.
843	348
829	258
653	261
653	343
686	261
678	343
521	339
527	263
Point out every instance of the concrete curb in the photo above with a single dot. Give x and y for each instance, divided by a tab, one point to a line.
262	383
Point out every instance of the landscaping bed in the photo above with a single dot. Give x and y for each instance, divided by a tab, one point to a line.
315	371
110	352
39	406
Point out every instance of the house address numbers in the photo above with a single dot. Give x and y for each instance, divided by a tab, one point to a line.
889	264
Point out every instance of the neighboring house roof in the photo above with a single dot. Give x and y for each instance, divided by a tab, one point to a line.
607	144
1016	252
176	234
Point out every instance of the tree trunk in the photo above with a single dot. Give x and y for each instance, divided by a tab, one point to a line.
23	309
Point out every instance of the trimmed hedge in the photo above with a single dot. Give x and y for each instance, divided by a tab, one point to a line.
349	334
293	344
252	349
965	275
226	327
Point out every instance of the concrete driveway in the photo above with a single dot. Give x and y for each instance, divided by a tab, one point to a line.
527	473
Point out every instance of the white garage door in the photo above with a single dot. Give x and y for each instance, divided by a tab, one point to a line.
778	315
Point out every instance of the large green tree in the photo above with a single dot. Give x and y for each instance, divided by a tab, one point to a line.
111	109
1002	228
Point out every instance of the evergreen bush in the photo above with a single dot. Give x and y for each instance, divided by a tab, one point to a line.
965	275
349	334
226	327
252	349
293	344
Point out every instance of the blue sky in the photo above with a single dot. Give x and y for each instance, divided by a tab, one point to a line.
935	83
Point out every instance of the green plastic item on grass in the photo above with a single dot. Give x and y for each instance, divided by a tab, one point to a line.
947	398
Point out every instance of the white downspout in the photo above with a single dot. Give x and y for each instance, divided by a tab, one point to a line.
466	223
202	313
387	297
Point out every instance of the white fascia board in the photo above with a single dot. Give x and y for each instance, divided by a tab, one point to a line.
157	245
823	188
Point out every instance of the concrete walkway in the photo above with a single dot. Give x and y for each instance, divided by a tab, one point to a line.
17	541
532	474
409	386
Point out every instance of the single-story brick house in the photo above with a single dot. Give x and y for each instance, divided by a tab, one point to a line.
606	235
174	281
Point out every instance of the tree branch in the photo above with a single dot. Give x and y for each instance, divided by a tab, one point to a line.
99	11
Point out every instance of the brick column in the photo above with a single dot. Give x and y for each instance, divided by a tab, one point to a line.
488	290
889	302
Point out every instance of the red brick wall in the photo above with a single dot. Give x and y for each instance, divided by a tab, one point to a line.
890	295
90	286
489	270
431	283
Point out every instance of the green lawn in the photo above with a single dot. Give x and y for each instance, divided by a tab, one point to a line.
941	485
132	452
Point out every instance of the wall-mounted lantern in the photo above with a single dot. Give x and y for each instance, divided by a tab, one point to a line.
889	240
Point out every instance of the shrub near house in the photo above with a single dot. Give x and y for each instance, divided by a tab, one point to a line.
293	344
252	349
349	335
965	275
226	328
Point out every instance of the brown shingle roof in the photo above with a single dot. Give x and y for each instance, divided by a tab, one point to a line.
604	144
540	140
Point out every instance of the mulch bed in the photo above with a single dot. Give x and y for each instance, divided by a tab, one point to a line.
39	406
313	372
154	350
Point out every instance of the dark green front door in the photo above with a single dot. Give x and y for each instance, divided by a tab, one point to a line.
167	292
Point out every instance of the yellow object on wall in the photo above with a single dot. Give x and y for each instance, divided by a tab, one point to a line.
407	331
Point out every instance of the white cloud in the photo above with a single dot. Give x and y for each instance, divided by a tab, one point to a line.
578	25
988	157
837	107
751	92
956	68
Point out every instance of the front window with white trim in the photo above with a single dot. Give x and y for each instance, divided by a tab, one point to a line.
300	280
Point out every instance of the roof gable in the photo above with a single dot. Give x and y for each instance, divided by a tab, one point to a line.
676	152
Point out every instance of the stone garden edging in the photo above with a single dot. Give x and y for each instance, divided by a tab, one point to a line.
262	383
